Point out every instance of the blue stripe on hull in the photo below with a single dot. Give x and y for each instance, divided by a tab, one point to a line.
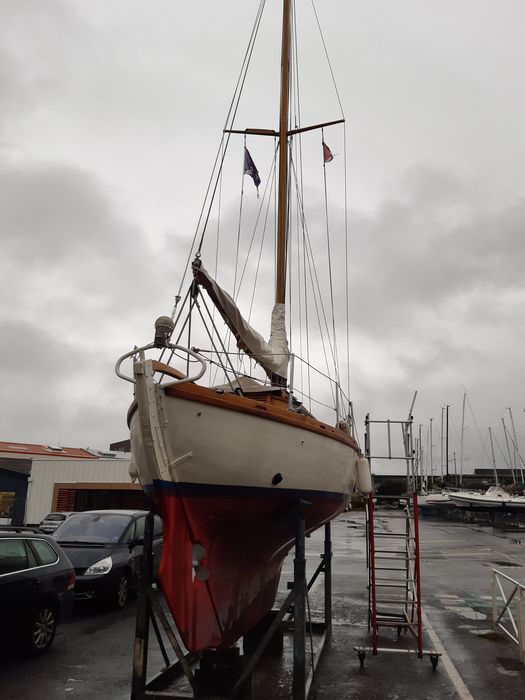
193	489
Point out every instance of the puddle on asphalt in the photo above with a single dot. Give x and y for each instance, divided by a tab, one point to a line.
506	563
467	613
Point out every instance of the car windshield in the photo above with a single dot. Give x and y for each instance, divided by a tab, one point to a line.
93	528
55	517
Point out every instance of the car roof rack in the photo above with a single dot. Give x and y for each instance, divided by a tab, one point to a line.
19	528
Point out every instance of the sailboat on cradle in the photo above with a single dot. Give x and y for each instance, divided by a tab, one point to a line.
227	443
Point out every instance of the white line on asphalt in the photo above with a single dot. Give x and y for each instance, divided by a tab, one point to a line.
447	595
460	553
461	689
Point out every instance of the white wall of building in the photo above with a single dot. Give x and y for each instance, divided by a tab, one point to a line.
45	473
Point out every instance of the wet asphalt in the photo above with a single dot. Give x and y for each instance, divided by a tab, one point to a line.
91	655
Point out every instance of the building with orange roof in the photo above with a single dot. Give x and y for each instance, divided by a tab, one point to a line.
38	479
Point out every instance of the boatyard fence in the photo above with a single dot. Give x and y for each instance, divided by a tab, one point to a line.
508	609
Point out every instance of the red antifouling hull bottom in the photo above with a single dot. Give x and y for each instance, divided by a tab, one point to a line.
240	537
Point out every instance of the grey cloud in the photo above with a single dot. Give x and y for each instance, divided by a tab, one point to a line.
80	286
421	254
65	241
54	390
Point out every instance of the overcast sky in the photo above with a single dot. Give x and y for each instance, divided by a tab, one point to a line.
110	114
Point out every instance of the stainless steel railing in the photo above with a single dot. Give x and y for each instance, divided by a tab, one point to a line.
508	609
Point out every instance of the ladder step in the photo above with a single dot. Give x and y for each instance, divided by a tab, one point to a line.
390	585
390	551
394	534
394	623
398	581
389	568
396	601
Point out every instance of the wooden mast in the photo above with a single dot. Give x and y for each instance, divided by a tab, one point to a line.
282	210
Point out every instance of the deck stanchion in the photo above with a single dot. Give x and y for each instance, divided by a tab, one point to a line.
418	577
299	607
372	572
140	645
327	560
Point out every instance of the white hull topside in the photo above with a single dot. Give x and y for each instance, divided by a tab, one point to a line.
480	500
212	445
433	499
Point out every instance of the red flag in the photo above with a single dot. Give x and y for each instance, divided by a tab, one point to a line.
327	154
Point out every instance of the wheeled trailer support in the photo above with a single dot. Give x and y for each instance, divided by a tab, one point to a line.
432	655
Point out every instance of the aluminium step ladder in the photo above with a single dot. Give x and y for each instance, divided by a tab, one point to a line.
393	551
394	572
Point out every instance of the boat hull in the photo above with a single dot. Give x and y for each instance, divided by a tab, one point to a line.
230	488
245	534
475	500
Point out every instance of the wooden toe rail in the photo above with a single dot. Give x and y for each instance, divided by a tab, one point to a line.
166	369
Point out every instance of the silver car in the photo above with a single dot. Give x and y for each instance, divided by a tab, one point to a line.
50	523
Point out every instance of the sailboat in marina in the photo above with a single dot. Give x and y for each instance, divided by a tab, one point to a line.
231	444
496	497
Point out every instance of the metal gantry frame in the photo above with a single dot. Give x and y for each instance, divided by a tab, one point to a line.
296	608
393	557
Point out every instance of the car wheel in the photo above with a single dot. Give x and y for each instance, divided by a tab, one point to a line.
42	630
121	591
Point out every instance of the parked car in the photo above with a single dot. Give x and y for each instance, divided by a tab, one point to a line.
105	547
52	520
36	588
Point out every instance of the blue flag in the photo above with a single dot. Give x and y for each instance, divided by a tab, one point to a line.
250	169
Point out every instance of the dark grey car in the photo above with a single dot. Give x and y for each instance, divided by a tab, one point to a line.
36	588
105	547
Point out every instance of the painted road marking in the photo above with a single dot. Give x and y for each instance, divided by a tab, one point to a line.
458	553
452	672
447	595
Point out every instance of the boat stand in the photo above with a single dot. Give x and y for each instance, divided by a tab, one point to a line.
226	673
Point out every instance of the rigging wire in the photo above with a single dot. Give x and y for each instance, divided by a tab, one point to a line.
314	276
265	201
239	225
263	237
328	59
224	142
489	461
298	143
347	265
330	277
268	188
503	455
318	302
216	266
345	156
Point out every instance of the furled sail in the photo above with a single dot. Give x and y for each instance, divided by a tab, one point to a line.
272	355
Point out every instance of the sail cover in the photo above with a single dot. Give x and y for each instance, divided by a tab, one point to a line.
272	355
